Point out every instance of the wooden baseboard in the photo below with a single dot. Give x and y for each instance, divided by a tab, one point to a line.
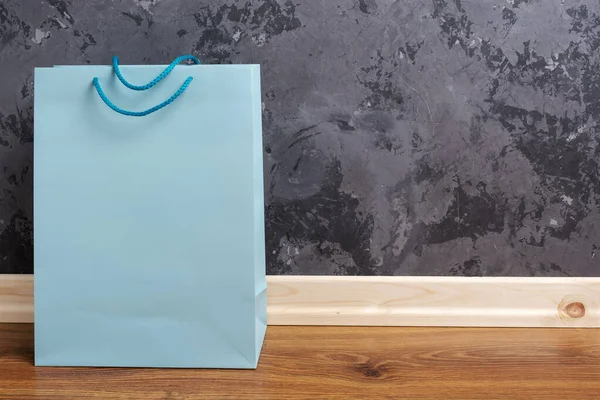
16	298
434	301
397	301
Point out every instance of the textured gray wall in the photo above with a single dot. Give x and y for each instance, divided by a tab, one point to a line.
416	137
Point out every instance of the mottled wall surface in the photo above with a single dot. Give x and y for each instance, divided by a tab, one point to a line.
416	137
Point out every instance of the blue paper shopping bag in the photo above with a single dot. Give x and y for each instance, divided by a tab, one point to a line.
149	216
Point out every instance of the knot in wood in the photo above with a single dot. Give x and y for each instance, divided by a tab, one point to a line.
574	309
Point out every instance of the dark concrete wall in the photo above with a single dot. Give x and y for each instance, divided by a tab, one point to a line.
438	137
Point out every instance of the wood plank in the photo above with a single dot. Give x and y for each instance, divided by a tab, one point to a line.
397	301
340	363
16	298
434	301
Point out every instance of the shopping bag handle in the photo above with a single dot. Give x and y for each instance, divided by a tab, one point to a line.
159	78
147	86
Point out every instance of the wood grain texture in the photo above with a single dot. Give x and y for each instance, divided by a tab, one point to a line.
434	301
340	363
397	301
16	298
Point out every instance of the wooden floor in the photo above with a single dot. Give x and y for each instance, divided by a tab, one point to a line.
341	363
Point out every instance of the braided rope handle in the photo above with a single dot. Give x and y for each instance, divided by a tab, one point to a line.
147	86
